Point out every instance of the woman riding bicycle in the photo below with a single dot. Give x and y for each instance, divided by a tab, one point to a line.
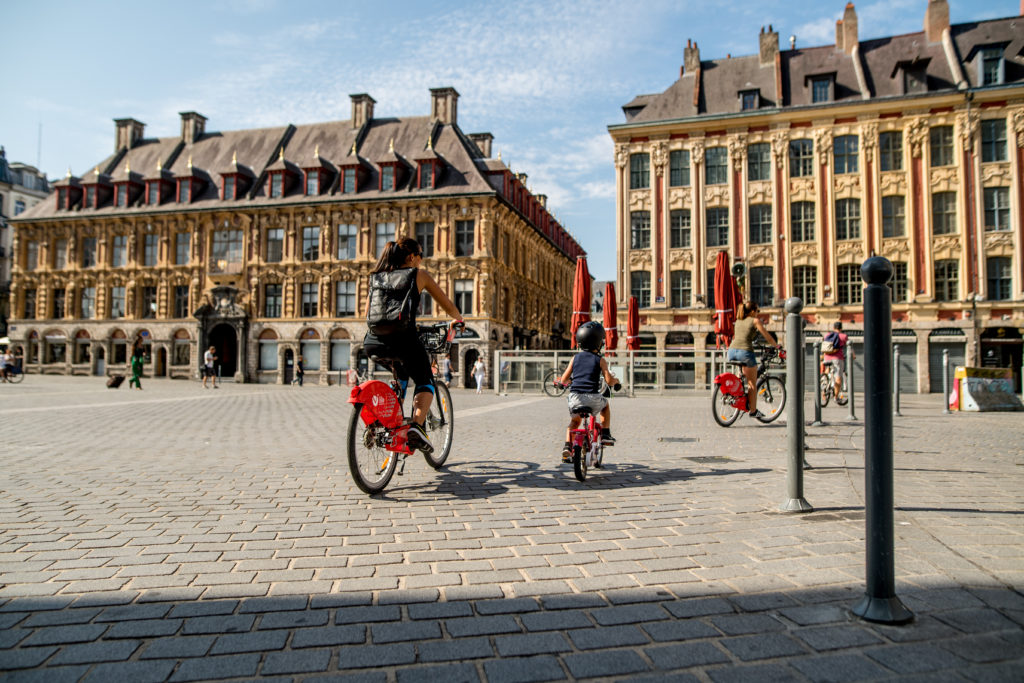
741	350
396	281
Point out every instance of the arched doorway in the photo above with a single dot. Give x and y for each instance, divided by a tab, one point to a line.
225	343
101	361
289	366
469	380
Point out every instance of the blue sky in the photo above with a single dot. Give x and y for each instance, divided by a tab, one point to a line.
546	78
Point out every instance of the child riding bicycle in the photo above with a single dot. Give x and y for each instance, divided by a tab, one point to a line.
585	371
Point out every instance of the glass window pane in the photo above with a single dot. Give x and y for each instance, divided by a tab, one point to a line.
679	168
639	171
716	162
347	241
640	229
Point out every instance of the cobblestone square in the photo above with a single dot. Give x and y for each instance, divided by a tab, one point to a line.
182	533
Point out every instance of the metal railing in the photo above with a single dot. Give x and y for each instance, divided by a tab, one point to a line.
673	371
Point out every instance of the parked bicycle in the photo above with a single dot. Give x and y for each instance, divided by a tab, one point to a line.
827	386
551	385
378	431
587	448
729	398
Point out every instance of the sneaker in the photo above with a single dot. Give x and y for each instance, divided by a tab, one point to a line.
567	452
606	438
757	414
417	438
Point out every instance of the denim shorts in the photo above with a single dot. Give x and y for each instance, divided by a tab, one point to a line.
740	356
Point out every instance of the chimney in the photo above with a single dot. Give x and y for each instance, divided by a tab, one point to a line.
444	105
483	143
126	133
691	57
936	19
193	125
769	41
362	109
850	39
542	199
839	34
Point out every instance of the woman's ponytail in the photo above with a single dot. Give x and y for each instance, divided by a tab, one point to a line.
395	254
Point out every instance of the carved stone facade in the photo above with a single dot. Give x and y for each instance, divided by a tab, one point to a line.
268	278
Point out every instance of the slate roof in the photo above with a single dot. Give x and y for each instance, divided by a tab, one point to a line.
718	82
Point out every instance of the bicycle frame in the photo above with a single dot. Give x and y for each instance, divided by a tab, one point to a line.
579	437
381	405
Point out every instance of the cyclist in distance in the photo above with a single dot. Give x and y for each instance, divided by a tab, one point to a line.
585	371
837	356
741	350
395	283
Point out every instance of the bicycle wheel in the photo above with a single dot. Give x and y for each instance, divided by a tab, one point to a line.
723	407
440	424
599	457
579	460
771	398
370	463
16	377
825	388
549	384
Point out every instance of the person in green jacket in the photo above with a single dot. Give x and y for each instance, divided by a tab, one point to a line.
137	356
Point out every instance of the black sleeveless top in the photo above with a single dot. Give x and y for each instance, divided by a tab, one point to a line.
586	373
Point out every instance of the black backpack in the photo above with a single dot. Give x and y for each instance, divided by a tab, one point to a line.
392	308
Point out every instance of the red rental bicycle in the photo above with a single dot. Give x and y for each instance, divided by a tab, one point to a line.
587	449
729	398
378	431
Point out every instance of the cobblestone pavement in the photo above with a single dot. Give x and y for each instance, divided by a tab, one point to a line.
186	534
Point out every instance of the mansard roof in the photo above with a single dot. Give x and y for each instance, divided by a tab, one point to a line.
871	72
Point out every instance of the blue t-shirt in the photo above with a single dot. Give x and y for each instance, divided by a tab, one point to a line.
586	373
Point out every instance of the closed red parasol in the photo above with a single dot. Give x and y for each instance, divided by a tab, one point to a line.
633	325
727	300
611	330
580	298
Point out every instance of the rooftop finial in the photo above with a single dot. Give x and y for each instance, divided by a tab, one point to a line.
430	141
69	172
316	152
354	151
391	145
96	171
190	162
281	155
159	166
499	155
128	167
234	158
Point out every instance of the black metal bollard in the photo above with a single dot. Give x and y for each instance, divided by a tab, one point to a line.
817	386
852	414
880	602
945	381
795	406
896	378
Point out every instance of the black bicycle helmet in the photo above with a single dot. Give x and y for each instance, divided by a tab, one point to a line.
590	336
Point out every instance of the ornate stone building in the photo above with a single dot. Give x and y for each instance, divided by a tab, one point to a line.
21	187
803	162
259	242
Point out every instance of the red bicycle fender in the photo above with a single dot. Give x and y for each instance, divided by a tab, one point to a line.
379	403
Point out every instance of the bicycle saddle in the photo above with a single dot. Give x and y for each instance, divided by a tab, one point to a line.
582	411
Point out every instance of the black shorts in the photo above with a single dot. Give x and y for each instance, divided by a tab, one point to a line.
415	362
207	372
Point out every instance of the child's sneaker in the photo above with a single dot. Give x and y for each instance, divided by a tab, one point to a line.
606	438
567	452
757	414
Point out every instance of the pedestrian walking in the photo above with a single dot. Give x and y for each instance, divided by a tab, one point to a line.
478	374
446	368
136	364
208	358
300	371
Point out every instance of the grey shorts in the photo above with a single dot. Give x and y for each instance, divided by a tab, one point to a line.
596	402
838	365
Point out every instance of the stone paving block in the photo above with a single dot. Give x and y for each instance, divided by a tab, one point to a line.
26	657
152	671
627	614
236	590
171	594
449	673
329	636
839	668
685	655
404	631
742	624
259	641
606	637
481	626
339	600
362	615
220	624
980	648
556	621
479	592
520	645
363	656
916	658
454	650
203	609
53	674
178	647
573	601
148	628
210	668
273	604
768	673
99	651
599	664
523	670
675	631
837	637
61	618
507	606
61	635
976	620
763	646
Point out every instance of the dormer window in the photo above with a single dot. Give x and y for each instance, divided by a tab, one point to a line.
90	196
121	195
822	87
991	65
62	198
426	175
153	193
750	99
276	184
914	73
229	187
387	178
313	182
185	190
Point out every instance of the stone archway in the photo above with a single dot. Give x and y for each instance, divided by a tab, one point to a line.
225	342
